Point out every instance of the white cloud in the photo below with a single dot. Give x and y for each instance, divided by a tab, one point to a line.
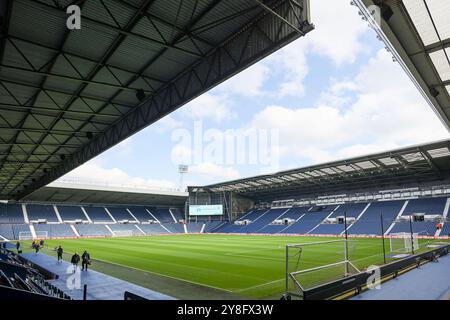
208	106
338	29
248	82
211	172
291	62
167	123
182	153
339	94
337	36
94	173
387	112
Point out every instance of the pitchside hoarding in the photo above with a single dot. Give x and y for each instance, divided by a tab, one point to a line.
206	210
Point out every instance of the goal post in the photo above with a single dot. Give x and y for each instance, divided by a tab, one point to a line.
312	264
25	235
403	242
122	233
28	235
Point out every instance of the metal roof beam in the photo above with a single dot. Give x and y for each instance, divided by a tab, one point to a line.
46	89
48	111
216	67
28	113
116	43
72	54
5	15
29	144
151	16
68	78
288	23
440	45
130	25
34	130
127	31
430	162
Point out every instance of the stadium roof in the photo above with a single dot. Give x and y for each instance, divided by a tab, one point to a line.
396	168
68	95
58	192
417	32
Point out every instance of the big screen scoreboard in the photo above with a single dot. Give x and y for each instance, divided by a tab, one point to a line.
206	210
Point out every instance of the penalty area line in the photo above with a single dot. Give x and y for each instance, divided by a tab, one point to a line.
162	275
259	285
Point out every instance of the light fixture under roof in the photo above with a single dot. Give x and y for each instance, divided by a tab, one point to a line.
413	157
439	153
388	161
365	165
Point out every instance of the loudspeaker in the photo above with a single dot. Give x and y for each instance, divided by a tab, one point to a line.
434	92
140	95
386	11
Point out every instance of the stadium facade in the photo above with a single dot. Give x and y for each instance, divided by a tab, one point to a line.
66	97
390	192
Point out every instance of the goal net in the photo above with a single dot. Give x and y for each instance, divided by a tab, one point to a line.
312	264
403	242
27	235
123	233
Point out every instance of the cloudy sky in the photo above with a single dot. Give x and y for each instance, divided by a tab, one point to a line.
334	94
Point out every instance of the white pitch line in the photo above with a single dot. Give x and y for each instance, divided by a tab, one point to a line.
163	275
259	285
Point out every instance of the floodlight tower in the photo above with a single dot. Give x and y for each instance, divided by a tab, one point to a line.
182	169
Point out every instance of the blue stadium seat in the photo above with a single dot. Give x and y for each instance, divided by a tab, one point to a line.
351	210
194	227
152	228
98	214
423	228
71	213
126	227
370	221
306	223
445	232
37	211
213	225
3	216
6	231
13	214
120	213
141	214
429	206
91	230
174	227
329	228
56	230
162	214
178	213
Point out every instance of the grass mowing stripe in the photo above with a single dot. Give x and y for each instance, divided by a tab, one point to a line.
237	263
159	274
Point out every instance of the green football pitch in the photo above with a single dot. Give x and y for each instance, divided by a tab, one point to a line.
219	266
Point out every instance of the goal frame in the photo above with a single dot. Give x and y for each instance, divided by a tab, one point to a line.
410	242
290	277
122	233
28	235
